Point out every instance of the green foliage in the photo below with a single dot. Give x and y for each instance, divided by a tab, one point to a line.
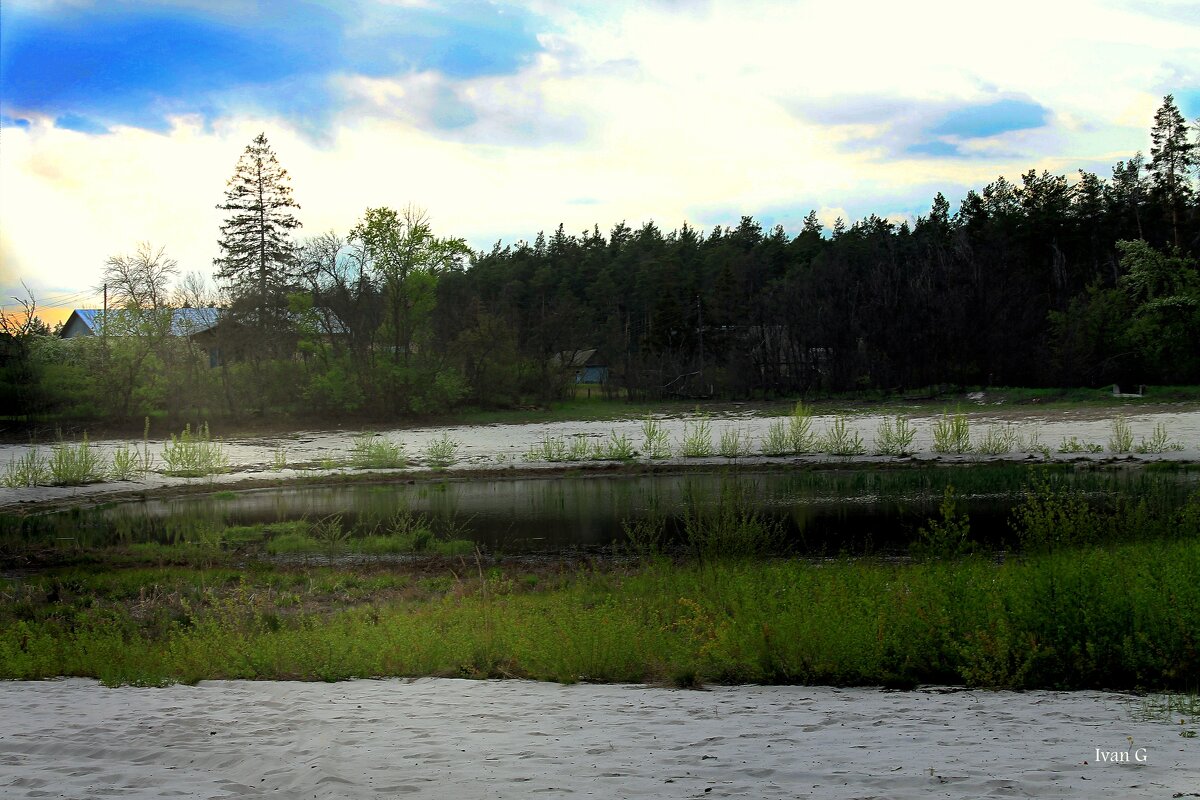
75	464
1052	516
952	434
777	442
728	526
1118	617
734	443
949	536
130	461
801	437
279	459
617	447
194	455
1073	445
1121	438
894	437
442	451
839	440
1159	441
371	451
656	443
30	469
697	438
997	440
550	448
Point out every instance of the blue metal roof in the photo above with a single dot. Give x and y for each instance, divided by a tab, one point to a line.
184	321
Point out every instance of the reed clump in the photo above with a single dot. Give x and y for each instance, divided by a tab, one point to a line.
30	469
839	440
895	437
697	438
194	455
656	444
441	452
952	434
370	451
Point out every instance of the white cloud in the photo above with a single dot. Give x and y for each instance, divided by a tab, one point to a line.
632	112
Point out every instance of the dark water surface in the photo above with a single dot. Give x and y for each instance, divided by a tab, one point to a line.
821	511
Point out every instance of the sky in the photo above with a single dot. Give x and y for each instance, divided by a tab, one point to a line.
121	121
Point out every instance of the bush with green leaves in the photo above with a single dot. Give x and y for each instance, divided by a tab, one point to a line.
75	464
1052	516
1121	438
997	440
952	434
548	448
949	536
194	455
801	437
442	451
839	440
371	451
617	447
777	442
895	436
30	469
734	443
656	443
697	438
1159	441
1072	444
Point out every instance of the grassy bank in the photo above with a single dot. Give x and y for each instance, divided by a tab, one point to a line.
1118	616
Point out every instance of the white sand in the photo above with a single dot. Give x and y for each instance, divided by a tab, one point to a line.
467	739
502	446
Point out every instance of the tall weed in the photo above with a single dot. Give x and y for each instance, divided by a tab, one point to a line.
952	434
894	437
193	455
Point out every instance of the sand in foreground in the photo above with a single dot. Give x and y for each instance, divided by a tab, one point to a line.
489	739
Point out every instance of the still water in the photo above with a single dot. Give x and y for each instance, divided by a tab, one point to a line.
822	512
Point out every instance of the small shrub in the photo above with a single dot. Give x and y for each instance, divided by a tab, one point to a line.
441	452
1051	516
697	438
75	464
952	434
578	449
279	459
1029	440
377	452
839	440
1159	441
946	537
801	437
777	442
27	470
618	447
1074	445
734	443
193	455
130	461
729	528
548	448
997	440
656	444
1121	438
895	437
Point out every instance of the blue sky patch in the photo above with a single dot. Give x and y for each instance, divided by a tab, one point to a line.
982	120
137	64
1188	101
74	122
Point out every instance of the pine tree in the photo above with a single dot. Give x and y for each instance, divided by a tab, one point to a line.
256	254
1172	157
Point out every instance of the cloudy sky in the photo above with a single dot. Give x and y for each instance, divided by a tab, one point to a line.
122	120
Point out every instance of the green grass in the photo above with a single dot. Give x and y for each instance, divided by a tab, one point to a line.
194	455
75	464
30	469
370	451
1111	617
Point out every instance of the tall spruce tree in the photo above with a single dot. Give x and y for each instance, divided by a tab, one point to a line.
256	252
1172	158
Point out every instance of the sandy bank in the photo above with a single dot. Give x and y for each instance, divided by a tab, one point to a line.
484	739
498	449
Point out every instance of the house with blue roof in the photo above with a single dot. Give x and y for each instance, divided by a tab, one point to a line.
90	321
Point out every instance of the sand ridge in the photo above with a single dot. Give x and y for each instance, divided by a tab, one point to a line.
435	738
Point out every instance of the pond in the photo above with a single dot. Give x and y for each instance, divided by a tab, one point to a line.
821	511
